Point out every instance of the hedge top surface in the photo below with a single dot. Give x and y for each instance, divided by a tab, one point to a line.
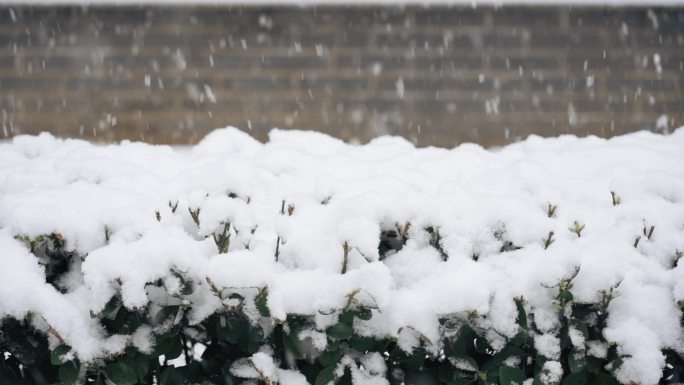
414	234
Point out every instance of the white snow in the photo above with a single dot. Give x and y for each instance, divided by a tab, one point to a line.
400	88
552	372
261	366
548	346
470	3
339	193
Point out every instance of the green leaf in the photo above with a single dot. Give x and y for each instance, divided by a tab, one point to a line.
330	358
226	330
261	302
100	380
68	373
605	379
346	378
445	373
520	339
481	345
522	315
462	381
256	334
326	375
170	376
363	313
510	376
415	360
171	347
333	346
615	364
463	344
249	337
57	356
340	331
508	351
141	365
576	361
424	376
362	344
291	344
565	296
187	288
111	306
578	378
581	326
465	363
593	364
347	317
121	374
237	297
165	313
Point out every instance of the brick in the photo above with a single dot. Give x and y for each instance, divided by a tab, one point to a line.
376	104
503	40
334	84
408	40
612	61
271	80
20	84
223	61
554	84
438	84
631	85
293	62
537	17
109	83
6	61
588	17
448	63
526	62
257	84
367	61
454	16
571	39
357	17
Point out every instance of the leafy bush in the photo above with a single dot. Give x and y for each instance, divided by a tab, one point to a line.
232	346
309	261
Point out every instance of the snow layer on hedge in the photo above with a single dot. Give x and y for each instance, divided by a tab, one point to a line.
313	194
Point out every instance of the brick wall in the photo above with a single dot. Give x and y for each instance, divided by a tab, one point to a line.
437	76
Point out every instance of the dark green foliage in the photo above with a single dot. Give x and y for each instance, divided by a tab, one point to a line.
51	252
464	356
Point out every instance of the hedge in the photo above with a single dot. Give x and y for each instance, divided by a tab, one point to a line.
153	274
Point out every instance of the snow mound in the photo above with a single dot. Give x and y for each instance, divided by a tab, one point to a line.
415	233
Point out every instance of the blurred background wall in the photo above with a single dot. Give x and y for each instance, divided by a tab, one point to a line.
436	75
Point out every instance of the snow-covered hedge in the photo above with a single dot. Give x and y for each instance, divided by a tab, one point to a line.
306	259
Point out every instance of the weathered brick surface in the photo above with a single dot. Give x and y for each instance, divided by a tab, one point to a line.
437	75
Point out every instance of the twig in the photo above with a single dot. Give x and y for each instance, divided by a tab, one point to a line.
173	206
223	240
346	248
551	210
577	228
648	232
548	241
195	215
616	198
55	333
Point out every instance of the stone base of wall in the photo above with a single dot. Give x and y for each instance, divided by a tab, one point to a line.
437	75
